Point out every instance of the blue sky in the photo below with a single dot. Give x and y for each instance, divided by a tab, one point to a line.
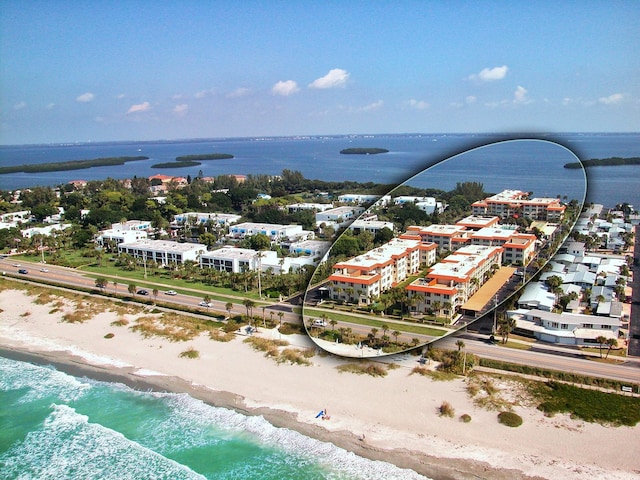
144	70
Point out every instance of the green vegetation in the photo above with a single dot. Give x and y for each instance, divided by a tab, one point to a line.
589	405
109	335
204	156
446	410
70	165
175	164
368	368
190	353
557	375
363	151
604	162
465	418
510	419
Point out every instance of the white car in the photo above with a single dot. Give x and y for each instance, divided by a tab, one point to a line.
205	304
319	323
44	270
170	292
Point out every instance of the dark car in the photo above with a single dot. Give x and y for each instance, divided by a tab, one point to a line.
24	271
143	292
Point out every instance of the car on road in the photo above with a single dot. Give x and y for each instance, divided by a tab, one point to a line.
17	265
23	271
142	292
319	323
206	304
170	292
44	270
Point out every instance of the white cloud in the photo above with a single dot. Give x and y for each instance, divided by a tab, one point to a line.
418	104
140	107
611	99
181	109
120	96
20	106
371	107
520	95
204	93
285	88
51	106
470	99
85	97
240	92
490	74
335	78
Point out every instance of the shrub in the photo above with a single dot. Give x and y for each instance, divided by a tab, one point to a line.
190	353
510	419
121	322
293	355
446	410
25	314
368	368
109	335
465	418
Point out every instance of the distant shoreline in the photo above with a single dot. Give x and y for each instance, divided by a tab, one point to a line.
603	162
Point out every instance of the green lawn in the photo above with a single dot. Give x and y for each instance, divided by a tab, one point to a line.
375	323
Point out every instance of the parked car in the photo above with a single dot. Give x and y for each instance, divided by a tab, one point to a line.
143	292
170	292
23	271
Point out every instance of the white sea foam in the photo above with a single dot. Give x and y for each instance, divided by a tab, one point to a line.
40	382
69	447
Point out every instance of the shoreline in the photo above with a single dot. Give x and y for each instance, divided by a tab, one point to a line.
437	468
397	413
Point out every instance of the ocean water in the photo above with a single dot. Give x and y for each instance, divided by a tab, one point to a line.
56	426
318	157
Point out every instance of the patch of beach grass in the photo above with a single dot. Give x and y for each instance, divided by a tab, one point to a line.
109	335
25	314
364	368
465	418
221	335
190	353
446	410
293	356
120	322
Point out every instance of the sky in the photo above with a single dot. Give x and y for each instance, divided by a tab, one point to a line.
78	71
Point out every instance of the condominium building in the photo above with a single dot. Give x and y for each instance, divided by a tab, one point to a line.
212	218
509	203
236	260
276	233
163	252
451	282
363	278
446	237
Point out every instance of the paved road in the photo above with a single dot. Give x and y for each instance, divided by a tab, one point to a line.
634	318
566	360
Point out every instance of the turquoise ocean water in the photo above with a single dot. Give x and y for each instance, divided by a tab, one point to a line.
56	426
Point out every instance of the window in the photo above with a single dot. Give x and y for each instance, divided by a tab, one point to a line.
587	325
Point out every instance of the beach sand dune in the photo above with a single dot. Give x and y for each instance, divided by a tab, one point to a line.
393	418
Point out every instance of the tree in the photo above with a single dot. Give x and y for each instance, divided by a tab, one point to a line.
207	300
280	315
132	289
601	341
155	294
249	304
396	334
505	326
101	283
611	342
460	344
228	307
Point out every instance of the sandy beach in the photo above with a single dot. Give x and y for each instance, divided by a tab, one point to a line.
393	418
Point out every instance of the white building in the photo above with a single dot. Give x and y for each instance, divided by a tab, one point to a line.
120	236
357	198
339	215
46	231
163	252
314	207
276	233
371	226
565	328
237	260
214	218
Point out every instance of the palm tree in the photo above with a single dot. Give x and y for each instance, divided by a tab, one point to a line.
228	307
249	304
396	334
101	282
601	341
155	294
207	300
460	344
333	322
505	326
132	289
280	315
385	329
611	342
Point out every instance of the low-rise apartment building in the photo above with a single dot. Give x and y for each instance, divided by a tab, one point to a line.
365	277
451	282
163	252
276	233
